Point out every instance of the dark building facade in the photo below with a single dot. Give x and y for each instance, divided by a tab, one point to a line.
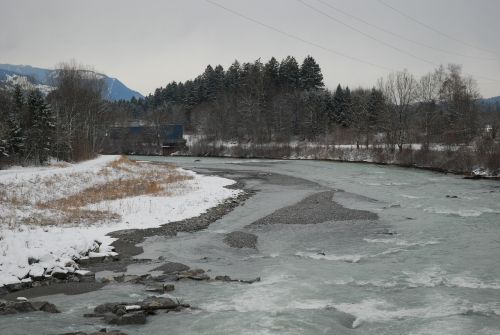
144	140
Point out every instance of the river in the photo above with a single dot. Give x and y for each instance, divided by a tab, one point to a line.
428	265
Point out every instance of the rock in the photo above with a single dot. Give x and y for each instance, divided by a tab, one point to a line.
168	287
224	278
49	308
14	287
161	288
109	307
244	281
171	267
155	303
196	274
60	274
165	278
240	239
251	281
84	276
3	291
45	306
14	307
133	318
134	313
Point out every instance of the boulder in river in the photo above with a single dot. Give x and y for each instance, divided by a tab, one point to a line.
172	267
25	306
229	279
133	318
124	313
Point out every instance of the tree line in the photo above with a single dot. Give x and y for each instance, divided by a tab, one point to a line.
64	125
253	102
284	100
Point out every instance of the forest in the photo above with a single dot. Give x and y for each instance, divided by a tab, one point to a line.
259	103
280	101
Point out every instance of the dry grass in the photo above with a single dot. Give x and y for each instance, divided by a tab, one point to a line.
118	180
154	181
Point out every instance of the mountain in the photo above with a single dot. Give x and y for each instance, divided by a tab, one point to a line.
491	101
40	78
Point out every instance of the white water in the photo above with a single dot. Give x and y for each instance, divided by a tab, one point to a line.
437	274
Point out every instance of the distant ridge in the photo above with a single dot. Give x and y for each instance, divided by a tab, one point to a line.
491	101
41	78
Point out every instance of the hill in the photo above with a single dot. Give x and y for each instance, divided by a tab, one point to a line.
42	79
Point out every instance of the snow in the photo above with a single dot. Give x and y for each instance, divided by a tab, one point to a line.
34	250
26	84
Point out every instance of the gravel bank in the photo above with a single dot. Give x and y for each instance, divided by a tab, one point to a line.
317	208
240	239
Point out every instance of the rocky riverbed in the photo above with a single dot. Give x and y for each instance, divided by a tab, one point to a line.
295	254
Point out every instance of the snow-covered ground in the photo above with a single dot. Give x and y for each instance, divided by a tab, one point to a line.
31	249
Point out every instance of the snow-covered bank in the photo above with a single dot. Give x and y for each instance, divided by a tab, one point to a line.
33	250
474	161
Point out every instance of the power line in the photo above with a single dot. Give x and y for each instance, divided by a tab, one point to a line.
379	40
298	38
367	35
436	30
390	32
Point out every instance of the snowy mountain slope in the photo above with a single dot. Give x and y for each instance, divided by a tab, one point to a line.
28	76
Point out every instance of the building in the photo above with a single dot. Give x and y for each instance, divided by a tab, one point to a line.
144	139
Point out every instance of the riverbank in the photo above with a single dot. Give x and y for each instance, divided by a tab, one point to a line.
53	218
424	266
460	160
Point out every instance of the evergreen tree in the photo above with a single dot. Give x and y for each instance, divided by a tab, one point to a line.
232	76
42	127
17	138
347	107
310	74
209	84
338	114
342	106
375	107
289	74
219	76
271	74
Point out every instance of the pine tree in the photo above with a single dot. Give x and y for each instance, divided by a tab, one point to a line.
232	76
210	83
338	98
375	107
17	138
271	75
342	106
42	127
310	74
289	74
219	76
347	107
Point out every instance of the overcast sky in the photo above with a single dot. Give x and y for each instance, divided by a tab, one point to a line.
149	43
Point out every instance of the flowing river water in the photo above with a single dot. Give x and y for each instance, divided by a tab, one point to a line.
428	265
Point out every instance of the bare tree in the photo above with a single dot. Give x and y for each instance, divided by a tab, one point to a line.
78	105
400	89
459	95
429	87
